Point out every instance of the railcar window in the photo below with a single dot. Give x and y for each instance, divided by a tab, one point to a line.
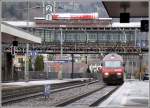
112	63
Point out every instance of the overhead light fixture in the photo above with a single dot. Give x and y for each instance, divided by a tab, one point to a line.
124	17
144	26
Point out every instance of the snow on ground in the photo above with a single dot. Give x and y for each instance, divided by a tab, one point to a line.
132	93
42	82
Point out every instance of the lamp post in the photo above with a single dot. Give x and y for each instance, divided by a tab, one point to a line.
26	71
87	38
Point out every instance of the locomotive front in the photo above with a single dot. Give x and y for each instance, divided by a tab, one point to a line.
113	69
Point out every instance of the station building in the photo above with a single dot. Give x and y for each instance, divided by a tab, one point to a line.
89	33
12	34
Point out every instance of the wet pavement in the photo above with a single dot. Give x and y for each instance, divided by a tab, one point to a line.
132	93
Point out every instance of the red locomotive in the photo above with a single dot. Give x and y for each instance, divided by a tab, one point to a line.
113	69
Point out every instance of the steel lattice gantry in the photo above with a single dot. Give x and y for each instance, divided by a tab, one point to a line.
78	37
79	48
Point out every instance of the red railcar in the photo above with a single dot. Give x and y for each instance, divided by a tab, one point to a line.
113	69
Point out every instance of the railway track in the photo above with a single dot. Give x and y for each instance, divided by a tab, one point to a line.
89	99
9	99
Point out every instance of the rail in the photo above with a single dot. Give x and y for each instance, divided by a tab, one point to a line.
18	94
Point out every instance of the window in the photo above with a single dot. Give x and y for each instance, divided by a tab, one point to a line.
112	64
81	37
47	36
20	60
100	36
92	37
70	37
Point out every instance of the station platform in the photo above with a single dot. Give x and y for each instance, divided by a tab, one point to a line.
132	94
40	82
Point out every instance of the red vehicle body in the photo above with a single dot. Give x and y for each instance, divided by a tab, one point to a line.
113	69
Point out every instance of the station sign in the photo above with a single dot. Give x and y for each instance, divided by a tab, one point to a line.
33	53
47	90
59	61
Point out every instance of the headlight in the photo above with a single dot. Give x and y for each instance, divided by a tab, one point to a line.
119	73
106	73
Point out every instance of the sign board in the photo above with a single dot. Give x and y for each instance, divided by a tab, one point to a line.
48	17
33	53
13	50
59	61
47	90
48	10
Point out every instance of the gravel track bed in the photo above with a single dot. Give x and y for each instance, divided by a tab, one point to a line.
55	97
87	101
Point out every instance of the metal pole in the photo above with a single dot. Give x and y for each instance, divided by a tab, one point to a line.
140	68
127	68
72	66
26	63
135	37
149	54
28	18
43	3
61	54
0	42
86	59
124	37
87	37
141	56
54	5
13	62
132	70
26	73
73	5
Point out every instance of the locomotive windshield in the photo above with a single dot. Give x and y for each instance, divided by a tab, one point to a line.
112	64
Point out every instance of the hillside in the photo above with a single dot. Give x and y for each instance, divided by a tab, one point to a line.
18	10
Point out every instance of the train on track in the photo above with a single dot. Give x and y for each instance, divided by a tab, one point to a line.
113	69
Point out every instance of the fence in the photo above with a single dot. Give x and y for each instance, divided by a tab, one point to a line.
36	75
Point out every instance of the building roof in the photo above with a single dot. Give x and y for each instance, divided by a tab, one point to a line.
20	23
126	25
113	24
136	8
11	33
